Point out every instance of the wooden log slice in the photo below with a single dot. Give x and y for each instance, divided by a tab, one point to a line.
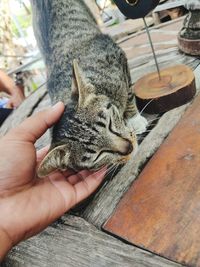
175	88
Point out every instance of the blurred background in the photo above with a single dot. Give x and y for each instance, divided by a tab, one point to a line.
19	55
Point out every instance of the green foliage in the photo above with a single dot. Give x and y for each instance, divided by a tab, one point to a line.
24	22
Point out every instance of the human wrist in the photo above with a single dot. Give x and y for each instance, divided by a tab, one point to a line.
5	244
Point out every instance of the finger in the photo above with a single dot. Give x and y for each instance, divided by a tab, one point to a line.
85	173
32	128
73	194
78	177
42	153
74	179
87	186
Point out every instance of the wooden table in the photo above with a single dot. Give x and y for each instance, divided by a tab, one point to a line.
77	238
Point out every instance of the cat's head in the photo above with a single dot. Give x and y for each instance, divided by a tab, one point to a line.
90	134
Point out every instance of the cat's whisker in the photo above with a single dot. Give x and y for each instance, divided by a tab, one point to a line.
144	134
146	106
114	169
113	172
97	172
110	169
157	118
153	124
148	131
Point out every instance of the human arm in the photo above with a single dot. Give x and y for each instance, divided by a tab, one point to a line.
29	204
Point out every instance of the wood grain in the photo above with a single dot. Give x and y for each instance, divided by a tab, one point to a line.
72	242
165	61
160	212
175	87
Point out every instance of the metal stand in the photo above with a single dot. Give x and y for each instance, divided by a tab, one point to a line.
152	47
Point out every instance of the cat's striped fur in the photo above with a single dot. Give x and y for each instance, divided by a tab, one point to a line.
89	73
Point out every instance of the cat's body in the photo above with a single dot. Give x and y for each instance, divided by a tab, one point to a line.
73	34
88	72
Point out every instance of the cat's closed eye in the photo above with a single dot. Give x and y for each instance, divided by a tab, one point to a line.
109	106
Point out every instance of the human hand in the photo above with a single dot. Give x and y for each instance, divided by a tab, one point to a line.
28	204
16	98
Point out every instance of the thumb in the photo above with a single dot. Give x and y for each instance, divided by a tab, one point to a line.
35	126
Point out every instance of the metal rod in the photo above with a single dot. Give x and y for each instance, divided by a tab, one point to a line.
152	47
10	72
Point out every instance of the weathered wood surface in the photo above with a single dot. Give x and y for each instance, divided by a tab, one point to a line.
73	242
161	27
127	27
167	202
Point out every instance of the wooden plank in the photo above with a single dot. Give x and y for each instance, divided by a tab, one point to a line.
126	28
160	26
144	59
74	243
169	5
111	193
166	197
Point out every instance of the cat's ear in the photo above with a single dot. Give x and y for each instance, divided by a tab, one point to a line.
81	88
56	159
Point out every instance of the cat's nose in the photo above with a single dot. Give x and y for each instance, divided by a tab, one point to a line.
121	145
129	148
125	147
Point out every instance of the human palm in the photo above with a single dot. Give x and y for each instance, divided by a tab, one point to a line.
28	204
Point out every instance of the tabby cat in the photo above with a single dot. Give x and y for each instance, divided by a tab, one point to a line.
89	73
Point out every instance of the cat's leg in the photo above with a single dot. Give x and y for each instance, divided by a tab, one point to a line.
133	118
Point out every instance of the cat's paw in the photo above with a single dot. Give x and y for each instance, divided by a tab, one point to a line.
137	124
